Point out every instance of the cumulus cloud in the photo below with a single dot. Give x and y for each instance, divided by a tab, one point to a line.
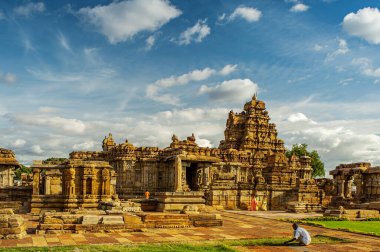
19	143
366	67
247	13
54	122
36	149
299	7
195	33
121	21
234	90
153	90
342	50
364	24
299	117
30	9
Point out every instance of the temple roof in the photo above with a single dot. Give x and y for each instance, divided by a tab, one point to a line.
7	157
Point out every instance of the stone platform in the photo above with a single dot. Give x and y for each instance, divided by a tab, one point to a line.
176	201
236	226
99	221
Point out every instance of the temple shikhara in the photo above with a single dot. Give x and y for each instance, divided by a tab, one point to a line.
94	190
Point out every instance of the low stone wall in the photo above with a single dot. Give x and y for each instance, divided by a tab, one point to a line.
11	225
301	207
99	221
352	214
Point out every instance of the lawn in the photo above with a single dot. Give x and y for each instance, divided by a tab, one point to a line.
365	227
213	246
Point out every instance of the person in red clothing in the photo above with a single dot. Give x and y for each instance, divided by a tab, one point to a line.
147	194
253	203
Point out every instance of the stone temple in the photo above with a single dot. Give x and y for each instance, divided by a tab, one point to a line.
249	161
98	191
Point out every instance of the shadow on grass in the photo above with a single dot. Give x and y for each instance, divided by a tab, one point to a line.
211	246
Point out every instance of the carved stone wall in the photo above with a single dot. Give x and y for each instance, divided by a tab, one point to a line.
72	184
8	164
356	183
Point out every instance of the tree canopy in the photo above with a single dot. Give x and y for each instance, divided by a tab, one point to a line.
22	169
301	150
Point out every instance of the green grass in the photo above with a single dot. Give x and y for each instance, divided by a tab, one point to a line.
212	246
365	227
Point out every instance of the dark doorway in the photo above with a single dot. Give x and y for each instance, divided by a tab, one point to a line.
191	176
89	186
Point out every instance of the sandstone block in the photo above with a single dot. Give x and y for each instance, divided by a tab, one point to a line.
52	220
6	211
50	226
15	236
15	221
90	219
113	220
132	219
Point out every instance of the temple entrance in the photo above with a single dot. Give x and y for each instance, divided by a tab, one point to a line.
191	176
89	186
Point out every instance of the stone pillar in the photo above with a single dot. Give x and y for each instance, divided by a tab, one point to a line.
84	185
348	189
36	181
47	185
178	174
359	187
341	188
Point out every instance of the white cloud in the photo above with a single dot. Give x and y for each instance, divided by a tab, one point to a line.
228	69
318	47
345	81
234	90
195	33
366	67
364	24
84	146
19	143
297	117
153	91
36	149
299	7
120	21
63	41
342	49
247	13
48	121
150	42
30	9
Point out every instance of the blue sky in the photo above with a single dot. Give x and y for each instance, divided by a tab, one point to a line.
72	71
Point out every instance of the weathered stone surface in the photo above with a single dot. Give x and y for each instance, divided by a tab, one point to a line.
113	220
6	211
90	219
71	184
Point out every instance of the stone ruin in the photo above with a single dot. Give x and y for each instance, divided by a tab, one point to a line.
8	164
12	196
12	226
97	191
356	186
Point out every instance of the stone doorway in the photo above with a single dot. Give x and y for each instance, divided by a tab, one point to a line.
191	176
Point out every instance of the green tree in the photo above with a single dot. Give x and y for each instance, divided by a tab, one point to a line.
22	169
301	150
